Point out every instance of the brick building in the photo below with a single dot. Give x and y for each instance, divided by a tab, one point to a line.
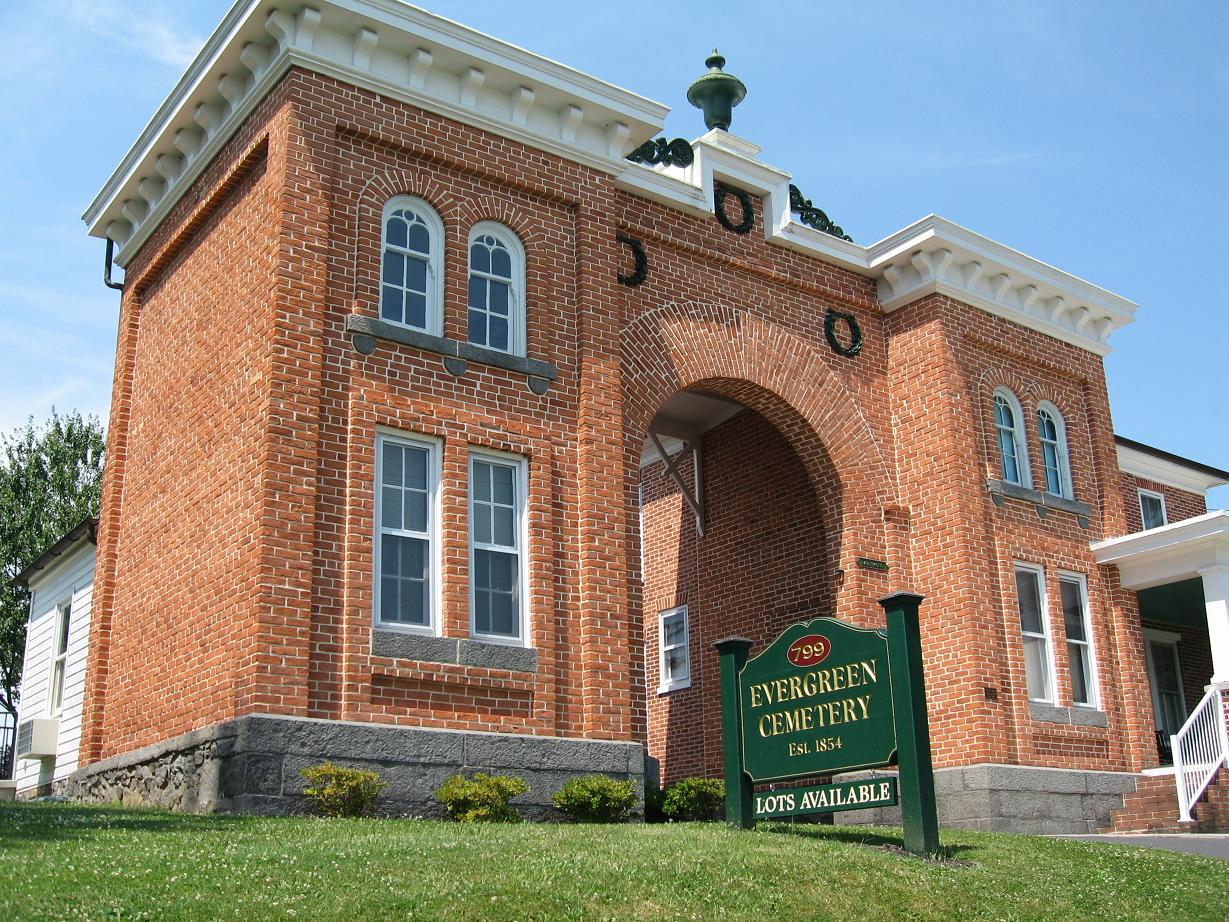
443	434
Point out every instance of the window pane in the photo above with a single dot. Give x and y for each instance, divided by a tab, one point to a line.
393	463
676	664
503	615
477	327
394	268
674	629
1081	676
415	511
416	274
65	619
390	304
396	230
1073	610
482	611
497	333
1036	668
1163	666
504	531
416	468
390	508
1028	592
482	482
498	298
420	239
389	604
1003	415
1053	482
502	483
501	262
416	310
503	571
1007	453
482	523
479	258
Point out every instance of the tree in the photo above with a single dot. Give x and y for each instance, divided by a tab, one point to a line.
50	481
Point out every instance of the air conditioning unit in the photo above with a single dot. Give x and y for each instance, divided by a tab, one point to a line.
36	738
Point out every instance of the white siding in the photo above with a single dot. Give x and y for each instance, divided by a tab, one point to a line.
69	577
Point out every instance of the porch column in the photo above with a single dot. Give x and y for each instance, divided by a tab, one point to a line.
1216	601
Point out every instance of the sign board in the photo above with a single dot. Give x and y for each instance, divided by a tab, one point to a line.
816	701
826	798
827	697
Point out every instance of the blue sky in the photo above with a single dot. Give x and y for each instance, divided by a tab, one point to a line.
1090	135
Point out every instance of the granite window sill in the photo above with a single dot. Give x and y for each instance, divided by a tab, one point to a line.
364	331
1076	716
462	651
1001	491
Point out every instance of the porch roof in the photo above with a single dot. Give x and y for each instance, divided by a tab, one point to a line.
1179	551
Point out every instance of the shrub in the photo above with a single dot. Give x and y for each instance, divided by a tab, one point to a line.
596	799
694	799
482	798
338	791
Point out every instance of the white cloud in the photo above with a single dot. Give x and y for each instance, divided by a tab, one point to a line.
147	29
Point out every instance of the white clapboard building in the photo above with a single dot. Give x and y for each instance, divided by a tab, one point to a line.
61	584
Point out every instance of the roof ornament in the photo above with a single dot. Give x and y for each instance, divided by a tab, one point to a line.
716	93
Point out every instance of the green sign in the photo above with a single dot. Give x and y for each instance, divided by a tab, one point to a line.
816	701
828	697
826	798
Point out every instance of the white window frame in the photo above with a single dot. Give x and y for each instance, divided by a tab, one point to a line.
516	288
59	658
1094	688
521	480
1143	524
1047	634
665	685
433	447
435	261
1018	439
1065	488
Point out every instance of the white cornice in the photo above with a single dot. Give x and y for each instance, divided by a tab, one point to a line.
1169	553
405	53
1171	473
386	46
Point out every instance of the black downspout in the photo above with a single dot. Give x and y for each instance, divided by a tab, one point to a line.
106	269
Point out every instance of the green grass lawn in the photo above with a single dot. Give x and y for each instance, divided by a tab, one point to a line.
74	862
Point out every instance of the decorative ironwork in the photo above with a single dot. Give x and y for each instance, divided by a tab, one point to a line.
814	217
855	334
672	153
720	192
642	261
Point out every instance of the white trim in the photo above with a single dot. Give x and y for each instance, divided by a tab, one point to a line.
520	465
1018	438
1148	466
664	686
1089	643
59	658
1047	635
1065	487
385	46
1177	551
433	447
434	261
516	288
1166	636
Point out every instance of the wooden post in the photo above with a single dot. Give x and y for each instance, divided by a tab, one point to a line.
739	793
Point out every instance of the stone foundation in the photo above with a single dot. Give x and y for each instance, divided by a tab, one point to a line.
1014	798
252	765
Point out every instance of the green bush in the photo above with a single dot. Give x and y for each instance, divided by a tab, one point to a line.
482	798
596	799
694	799
338	791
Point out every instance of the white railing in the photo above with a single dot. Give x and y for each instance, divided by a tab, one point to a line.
1200	748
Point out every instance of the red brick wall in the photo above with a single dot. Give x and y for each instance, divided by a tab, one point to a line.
1179	504
259	596
763	563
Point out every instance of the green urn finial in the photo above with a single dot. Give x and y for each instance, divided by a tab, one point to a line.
716	93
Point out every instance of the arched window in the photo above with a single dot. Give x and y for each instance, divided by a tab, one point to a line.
1013	454
1053	434
412	265
496	288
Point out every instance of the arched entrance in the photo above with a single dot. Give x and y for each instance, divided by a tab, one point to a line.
754	484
